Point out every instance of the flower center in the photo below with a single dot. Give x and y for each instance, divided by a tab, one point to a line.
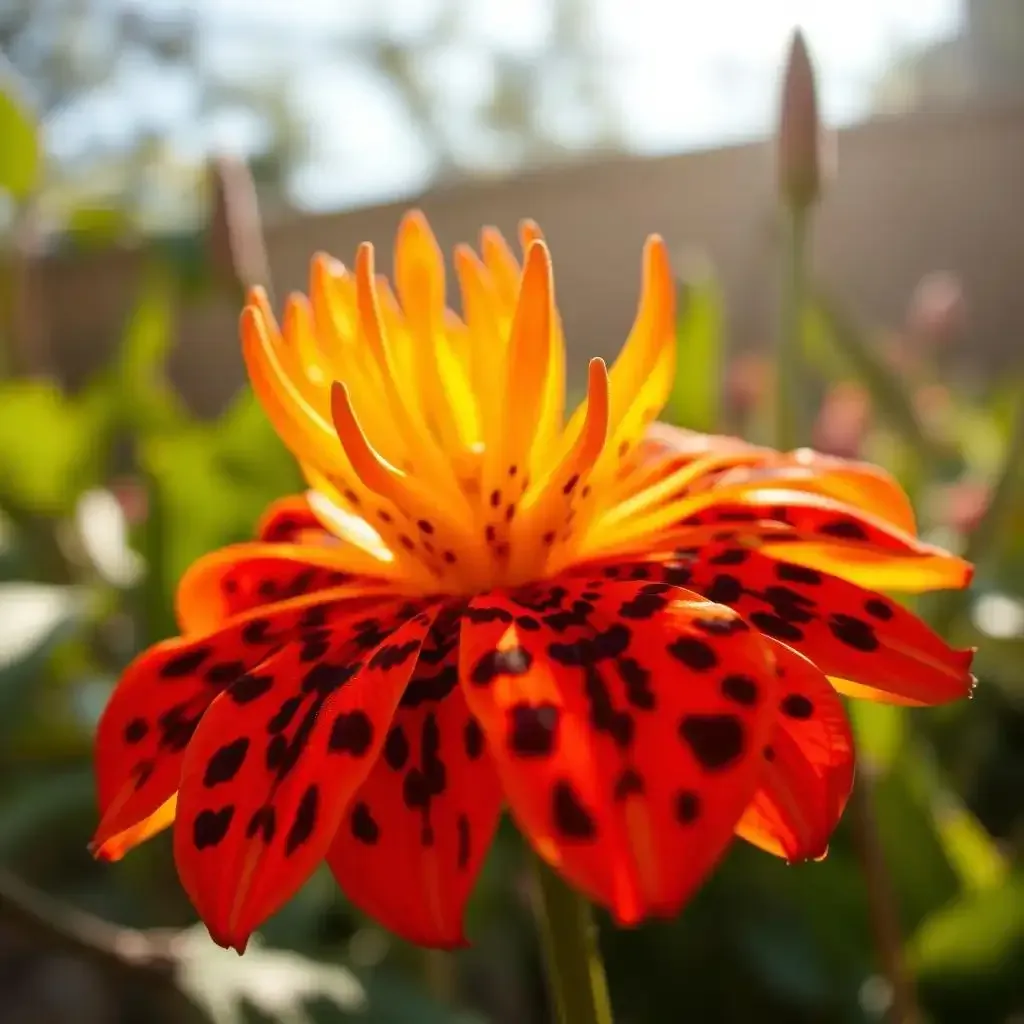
436	445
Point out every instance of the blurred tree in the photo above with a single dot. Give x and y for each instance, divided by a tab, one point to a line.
134	94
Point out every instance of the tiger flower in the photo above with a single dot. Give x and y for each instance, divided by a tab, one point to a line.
633	636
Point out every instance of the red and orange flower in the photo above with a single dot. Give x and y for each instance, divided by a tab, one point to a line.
631	635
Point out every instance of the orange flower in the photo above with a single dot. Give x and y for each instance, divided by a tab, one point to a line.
630	634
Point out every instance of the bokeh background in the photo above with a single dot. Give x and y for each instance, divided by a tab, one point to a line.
137	140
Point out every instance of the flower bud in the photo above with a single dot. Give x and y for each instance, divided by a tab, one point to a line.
235	249
799	136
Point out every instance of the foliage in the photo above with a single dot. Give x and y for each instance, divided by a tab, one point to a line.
109	493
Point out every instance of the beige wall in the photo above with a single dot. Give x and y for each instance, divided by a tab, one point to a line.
930	192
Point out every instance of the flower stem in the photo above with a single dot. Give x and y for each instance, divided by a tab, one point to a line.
569	937
881	904
791	397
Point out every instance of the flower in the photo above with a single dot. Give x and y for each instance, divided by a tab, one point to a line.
631	634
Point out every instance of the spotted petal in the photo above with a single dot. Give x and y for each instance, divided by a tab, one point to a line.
626	722
847	631
417	831
272	765
162	695
809	765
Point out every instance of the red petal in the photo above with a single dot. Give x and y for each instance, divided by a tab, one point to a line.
270	770
287	521
162	695
244	577
845	630
150	719
416	833
627	723
834	537
809	765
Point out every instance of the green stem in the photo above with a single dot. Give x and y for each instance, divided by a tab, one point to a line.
574	967
792	427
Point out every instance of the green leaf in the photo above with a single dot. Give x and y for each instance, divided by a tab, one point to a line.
880	730
20	148
969	956
696	393
49	450
36	618
208	485
276	983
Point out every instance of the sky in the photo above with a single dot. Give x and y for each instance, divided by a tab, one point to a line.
676	74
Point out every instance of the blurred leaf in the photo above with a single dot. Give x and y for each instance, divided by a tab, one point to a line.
696	393
208	483
20	150
921	871
134	390
970	954
969	849
96	227
274	982
48	446
35	618
33	808
879	729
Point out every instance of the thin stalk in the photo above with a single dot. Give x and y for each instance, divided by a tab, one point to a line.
569	938
885	927
791	419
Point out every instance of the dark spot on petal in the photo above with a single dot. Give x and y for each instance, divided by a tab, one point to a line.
210	827
878	609
136	730
741	689
687	806
254	632
248	688
351	733
224	673
463	840
184	664
263	823
844	529
732	556
391	656
473	739
514	661
304	821
532	729
693	653
796	705
364	828
226	762
629	783
396	748
790	573
425	526
282	718
853	632
774	626
715	740
724	589
571	818
570	484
